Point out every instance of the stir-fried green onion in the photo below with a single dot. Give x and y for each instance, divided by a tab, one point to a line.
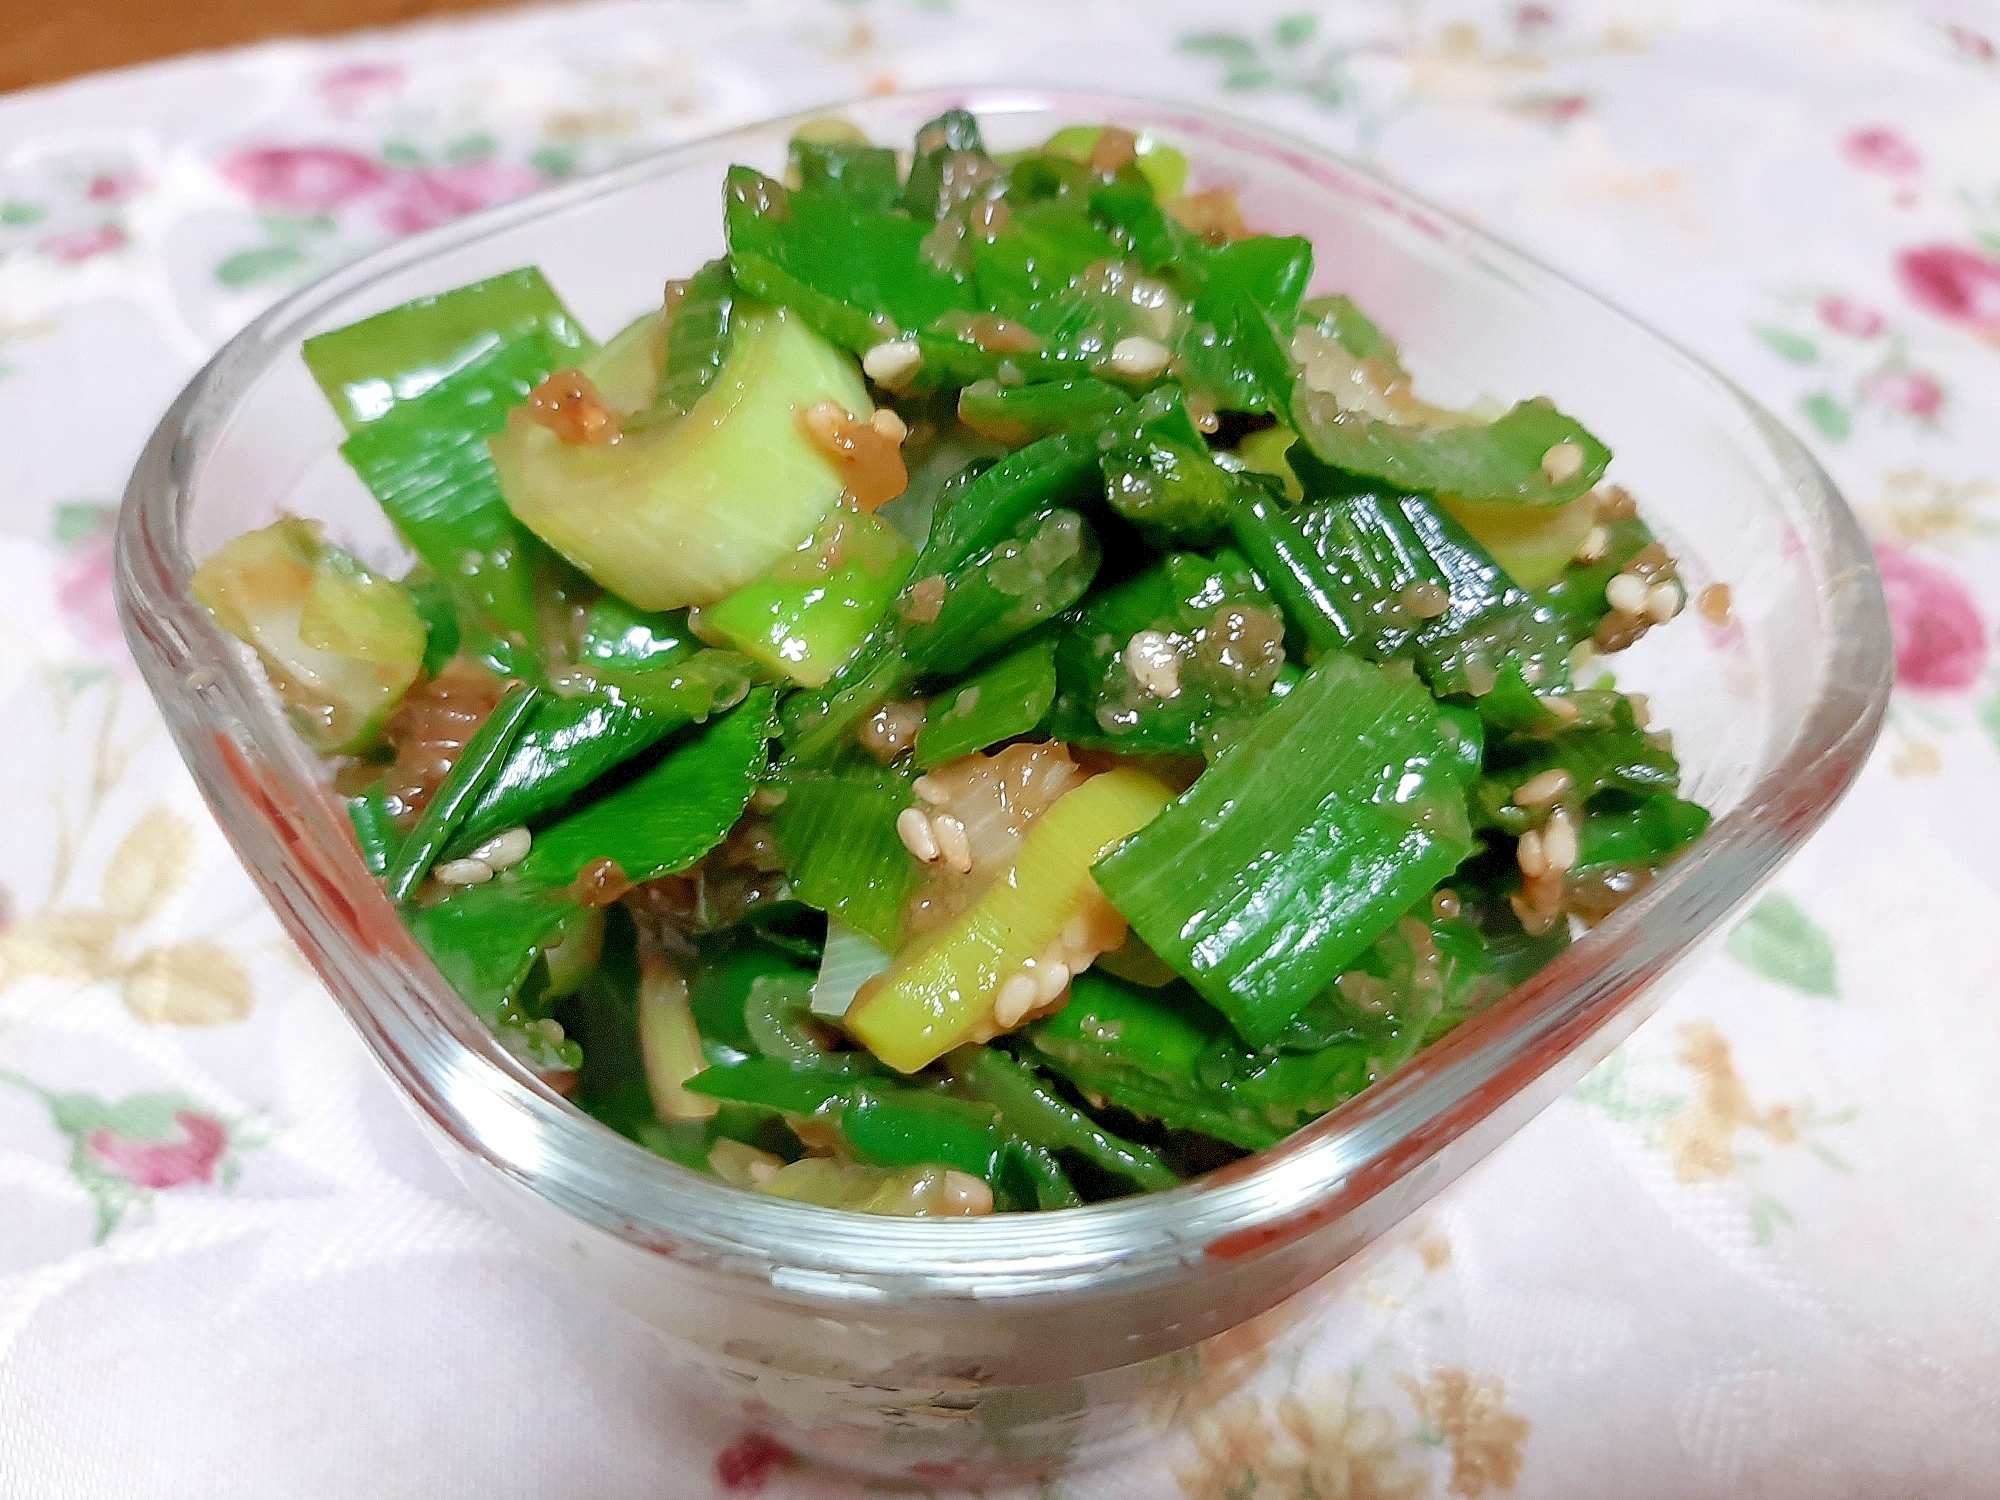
1011	702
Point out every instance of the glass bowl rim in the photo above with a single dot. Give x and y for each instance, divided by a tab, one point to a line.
1306	1181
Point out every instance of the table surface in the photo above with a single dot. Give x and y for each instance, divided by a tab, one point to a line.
53	42
1753	1254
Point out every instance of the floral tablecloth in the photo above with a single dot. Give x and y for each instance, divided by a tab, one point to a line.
1756	1254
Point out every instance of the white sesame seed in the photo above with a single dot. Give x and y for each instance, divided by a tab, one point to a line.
889	425
1561	707
1542	789
826	424
504	850
1426	600
1714	603
1534	921
952	842
1562	463
1529	856
1596	542
1626	594
1663	601
931	790
1154	663
1053	981
966	1194
1642	709
1559	842
892	363
463	872
1138	357
914	829
1015	1000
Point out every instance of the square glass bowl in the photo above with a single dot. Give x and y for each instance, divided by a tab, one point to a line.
1000	1346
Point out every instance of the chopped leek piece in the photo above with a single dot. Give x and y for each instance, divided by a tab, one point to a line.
905	1128
374	829
936	998
369	368
1009	698
1173	492
658	516
1002	593
1263	452
1534	544
1140	1049
953	134
485	939
617	636
837	831
468	778
852	958
867	174
810	612
1352	329
1337	809
565	746
427	464
698	333
1208	658
1019	414
1032	1111
1532	455
340	644
669	1041
626	371
1648	834
1165	168
665	820
855	273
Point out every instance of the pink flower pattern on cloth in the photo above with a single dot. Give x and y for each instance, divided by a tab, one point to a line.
429	197
304	179
1881	149
1941	641
1956	284
83	596
164	1164
1911	392
1844	315
334	179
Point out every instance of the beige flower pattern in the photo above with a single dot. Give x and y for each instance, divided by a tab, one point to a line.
1701	1138
186	983
1320	1440
1469	1412
1705	1133
1318	1443
1918	507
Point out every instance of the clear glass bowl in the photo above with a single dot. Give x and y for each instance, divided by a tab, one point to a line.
1000	1346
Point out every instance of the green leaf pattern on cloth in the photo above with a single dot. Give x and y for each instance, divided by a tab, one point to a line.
124	1151
1780	942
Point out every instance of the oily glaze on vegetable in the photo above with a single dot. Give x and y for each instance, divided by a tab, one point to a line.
988	698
